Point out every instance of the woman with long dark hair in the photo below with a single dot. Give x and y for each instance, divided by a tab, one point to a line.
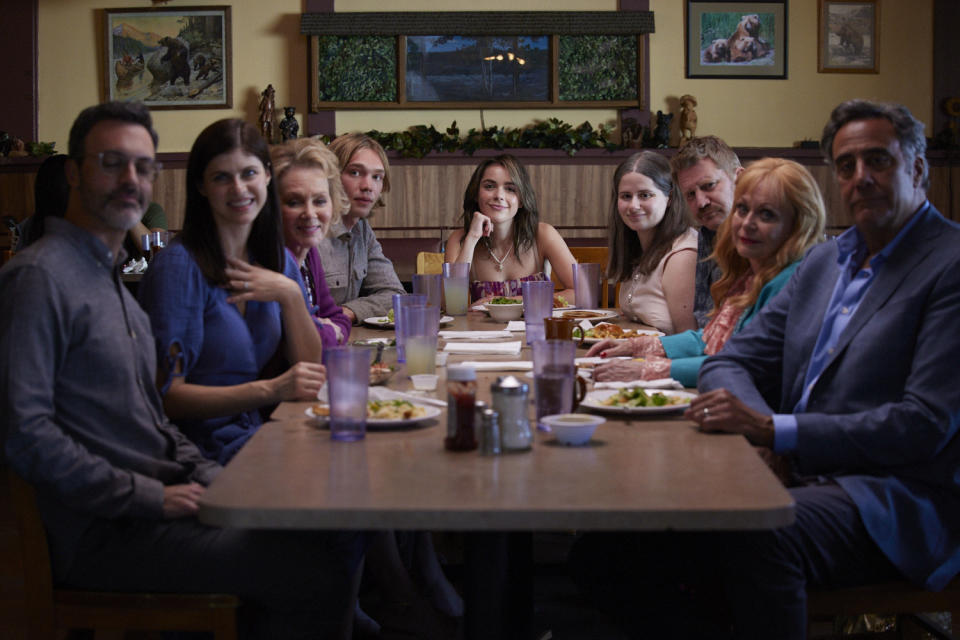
502	237
653	249
225	299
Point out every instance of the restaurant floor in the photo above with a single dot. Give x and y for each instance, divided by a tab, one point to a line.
561	613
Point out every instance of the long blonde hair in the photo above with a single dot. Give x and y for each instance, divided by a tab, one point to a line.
795	187
311	153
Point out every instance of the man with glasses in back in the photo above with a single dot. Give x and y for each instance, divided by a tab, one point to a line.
849	373
117	485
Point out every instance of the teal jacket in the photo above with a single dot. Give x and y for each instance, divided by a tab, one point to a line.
686	350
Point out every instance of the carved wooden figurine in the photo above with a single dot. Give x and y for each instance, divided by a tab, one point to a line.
289	128
688	118
267	113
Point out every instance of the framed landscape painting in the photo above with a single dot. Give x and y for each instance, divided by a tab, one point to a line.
736	39
169	58
848	31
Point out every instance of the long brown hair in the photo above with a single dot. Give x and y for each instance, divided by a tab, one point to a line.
796	188
528	214
199	234
626	254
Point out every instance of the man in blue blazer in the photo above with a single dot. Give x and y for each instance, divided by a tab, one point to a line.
850	375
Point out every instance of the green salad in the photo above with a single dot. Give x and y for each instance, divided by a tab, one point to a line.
502	300
637	397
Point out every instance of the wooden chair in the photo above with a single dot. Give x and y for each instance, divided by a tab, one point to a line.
898	597
32	608
428	262
599	255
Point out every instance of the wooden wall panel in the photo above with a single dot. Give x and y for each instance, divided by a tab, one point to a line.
427	195
170	192
945	190
16	193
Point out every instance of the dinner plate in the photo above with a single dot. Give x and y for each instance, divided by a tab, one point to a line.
636	334
374	424
594	401
586	314
384	321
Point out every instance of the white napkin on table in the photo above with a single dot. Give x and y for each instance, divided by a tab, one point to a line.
516	325
660	383
490	365
475	335
500	348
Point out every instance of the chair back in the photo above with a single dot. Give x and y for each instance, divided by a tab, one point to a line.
429	262
598	255
26	586
31	608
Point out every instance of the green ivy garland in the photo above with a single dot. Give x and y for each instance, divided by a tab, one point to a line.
418	141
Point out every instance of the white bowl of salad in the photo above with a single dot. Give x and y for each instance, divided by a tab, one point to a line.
505	309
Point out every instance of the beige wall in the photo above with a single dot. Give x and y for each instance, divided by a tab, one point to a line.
267	48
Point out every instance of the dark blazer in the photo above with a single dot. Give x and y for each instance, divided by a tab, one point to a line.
883	416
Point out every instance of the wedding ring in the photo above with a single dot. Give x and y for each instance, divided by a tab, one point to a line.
706	412
246	285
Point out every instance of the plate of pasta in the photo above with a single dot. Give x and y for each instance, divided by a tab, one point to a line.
605	330
383	414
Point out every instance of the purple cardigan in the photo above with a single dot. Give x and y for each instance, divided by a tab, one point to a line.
325	307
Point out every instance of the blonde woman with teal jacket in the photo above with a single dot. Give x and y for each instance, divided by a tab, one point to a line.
778	214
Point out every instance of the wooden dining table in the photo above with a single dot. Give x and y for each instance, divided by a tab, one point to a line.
638	472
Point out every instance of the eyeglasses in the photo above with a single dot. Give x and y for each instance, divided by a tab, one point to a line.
116	162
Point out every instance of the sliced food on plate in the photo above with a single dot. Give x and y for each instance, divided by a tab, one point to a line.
605	330
382	410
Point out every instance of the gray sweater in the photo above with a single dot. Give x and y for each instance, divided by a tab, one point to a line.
81	417
359	276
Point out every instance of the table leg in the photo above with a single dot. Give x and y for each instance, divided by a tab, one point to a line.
498	585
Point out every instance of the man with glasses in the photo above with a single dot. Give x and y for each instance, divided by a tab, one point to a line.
850	374
117	485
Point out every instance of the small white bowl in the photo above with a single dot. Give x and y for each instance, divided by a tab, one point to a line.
424	381
505	312
573	428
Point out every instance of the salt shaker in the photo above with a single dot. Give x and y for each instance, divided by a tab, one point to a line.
510	402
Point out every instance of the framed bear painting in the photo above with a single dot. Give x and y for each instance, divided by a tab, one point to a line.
736	39
169	58
848	36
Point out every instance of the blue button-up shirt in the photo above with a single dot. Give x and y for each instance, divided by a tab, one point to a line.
848	292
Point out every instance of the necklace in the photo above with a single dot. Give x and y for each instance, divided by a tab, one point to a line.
499	261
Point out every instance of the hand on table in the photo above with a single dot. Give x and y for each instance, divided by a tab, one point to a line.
251	282
720	410
651	368
641	347
181	500
300	382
